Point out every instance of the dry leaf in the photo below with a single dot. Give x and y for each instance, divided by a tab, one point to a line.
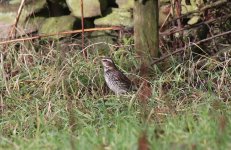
143	142
145	91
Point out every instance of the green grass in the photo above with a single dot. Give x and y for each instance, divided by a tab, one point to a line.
56	101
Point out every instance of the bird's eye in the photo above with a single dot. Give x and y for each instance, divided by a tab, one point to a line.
106	60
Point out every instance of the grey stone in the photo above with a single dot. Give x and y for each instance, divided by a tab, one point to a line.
8	13
125	4
57	24
102	40
116	17
92	8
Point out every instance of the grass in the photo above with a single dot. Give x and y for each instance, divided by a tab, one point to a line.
51	98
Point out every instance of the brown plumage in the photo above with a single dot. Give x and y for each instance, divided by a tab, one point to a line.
114	78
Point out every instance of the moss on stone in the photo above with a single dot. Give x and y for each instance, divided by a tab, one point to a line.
57	24
125	4
91	8
117	17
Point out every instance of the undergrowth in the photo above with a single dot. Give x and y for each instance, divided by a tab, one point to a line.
52	98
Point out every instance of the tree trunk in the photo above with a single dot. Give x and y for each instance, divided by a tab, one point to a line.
146	29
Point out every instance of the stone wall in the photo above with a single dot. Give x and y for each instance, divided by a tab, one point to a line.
49	16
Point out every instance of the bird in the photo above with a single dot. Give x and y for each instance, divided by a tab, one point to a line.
115	79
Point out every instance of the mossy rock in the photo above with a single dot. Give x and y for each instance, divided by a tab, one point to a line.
6	21
34	24
125	4
128	4
57	24
108	37
116	17
8	11
91	8
33	7
7	18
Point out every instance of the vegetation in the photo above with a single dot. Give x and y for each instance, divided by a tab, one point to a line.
51	98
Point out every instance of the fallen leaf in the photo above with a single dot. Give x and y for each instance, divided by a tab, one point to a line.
145	91
143	142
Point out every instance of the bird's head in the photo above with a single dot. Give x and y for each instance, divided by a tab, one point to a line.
108	63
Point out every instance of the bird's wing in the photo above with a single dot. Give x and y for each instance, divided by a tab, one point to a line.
121	77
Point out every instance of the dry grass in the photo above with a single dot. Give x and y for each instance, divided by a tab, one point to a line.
52	98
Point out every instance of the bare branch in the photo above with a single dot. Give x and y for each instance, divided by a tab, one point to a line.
190	44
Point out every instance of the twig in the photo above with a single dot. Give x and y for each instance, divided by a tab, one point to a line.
195	25
60	33
190	44
82	23
215	4
165	20
13	31
178	12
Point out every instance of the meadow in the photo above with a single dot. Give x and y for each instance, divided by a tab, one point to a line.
52	98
